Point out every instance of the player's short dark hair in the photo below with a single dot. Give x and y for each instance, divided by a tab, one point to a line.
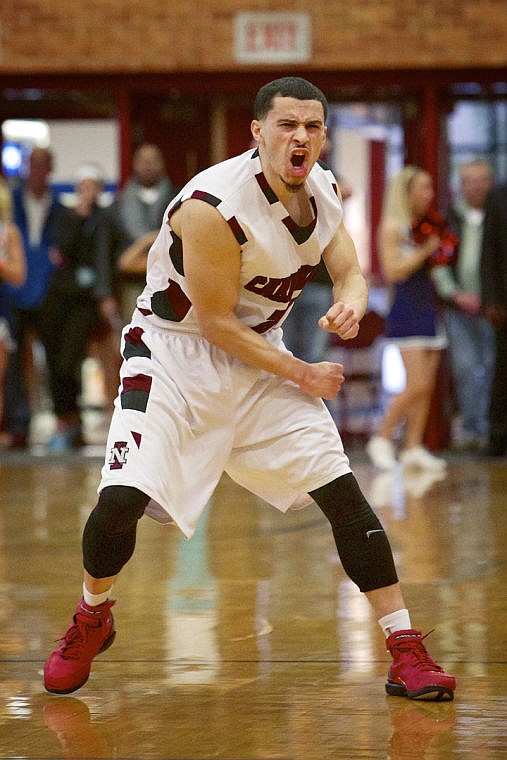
287	87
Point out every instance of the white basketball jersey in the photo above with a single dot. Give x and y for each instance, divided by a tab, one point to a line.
277	255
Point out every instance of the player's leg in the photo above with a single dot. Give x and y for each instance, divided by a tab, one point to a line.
286	444
109	540
367	559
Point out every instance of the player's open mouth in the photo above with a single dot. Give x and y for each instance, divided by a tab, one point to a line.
297	158
298	161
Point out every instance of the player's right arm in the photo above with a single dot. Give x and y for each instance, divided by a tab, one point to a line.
212	258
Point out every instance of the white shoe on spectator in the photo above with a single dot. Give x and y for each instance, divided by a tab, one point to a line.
420	458
381	452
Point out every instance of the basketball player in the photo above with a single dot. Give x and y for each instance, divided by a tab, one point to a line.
207	385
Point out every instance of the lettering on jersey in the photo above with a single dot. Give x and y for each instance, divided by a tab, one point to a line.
118	455
281	289
271	321
135	392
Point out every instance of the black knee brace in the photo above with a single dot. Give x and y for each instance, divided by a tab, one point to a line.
362	545
109	536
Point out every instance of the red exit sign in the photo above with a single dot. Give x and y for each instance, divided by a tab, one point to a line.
272	37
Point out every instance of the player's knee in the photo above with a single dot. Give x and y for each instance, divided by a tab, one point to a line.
118	509
360	539
343	503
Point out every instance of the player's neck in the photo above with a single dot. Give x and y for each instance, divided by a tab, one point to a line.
299	207
293	198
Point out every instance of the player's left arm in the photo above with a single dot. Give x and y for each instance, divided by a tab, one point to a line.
350	290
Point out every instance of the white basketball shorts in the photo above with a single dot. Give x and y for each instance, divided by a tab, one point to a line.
187	412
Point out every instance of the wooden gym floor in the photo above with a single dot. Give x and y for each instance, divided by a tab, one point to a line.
248	642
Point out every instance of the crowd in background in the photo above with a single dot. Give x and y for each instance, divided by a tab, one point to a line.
72	299
70	276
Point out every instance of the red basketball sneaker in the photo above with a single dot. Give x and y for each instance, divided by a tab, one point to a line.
91	632
414	673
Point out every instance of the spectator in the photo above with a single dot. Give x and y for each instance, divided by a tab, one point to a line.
471	337
494	298
411	239
72	301
12	270
138	209
36	210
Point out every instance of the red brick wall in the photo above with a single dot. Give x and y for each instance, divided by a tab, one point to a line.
156	35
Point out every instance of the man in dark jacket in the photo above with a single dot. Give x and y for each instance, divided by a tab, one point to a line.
35	210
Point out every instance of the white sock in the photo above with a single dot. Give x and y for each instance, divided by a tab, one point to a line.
93	600
395	621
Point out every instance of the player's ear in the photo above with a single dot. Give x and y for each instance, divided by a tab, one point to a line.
255	128
324	138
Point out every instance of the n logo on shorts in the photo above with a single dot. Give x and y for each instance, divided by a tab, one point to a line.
118	455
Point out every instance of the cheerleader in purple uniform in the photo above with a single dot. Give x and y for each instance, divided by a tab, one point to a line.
412	239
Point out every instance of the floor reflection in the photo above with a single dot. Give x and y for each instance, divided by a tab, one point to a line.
249	642
413	730
419	729
79	737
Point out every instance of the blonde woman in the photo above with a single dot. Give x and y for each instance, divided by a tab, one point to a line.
12	270
412	239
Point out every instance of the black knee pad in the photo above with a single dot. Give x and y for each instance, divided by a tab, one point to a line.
109	536
360	539
118	508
